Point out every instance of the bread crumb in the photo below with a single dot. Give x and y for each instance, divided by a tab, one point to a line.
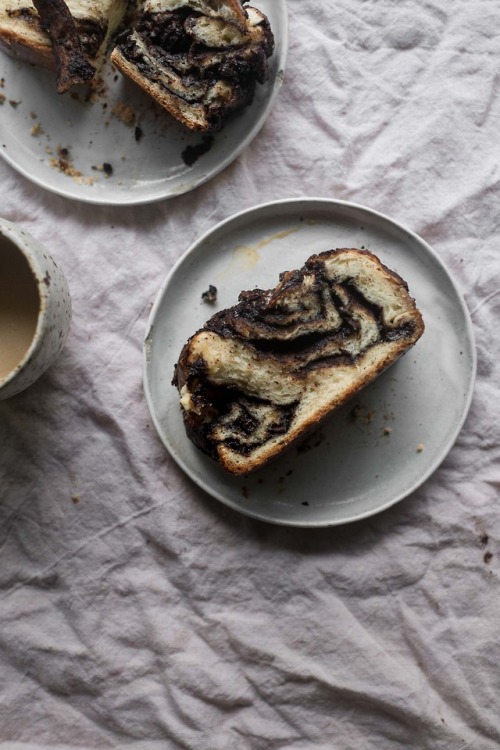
106	168
62	162
125	113
37	130
387	430
362	414
210	295
2	98
420	447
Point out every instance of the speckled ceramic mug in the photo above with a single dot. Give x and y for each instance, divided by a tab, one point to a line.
35	309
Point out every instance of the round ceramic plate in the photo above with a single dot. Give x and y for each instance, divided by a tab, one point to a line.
379	447
120	148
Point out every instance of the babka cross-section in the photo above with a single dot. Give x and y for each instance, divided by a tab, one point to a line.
260	375
199	59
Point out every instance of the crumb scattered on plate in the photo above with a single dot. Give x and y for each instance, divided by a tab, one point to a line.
63	162
192	153
210	295
124	112
106	168
360	413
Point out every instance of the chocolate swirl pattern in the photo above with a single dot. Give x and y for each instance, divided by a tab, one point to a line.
199	59
71	37
261	374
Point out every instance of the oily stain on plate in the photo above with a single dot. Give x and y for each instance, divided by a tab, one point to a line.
245	257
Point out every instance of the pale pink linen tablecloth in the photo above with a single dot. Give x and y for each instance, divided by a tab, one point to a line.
136	611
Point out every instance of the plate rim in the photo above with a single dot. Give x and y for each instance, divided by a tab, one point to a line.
331	203
187	186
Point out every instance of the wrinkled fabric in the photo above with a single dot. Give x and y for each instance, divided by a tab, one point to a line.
138	611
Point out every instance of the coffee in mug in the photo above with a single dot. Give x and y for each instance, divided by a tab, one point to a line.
35	309
19	307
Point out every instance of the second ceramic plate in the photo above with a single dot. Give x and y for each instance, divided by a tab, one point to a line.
120	148
382	445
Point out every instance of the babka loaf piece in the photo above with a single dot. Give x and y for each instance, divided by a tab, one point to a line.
199	59
259	375
71	37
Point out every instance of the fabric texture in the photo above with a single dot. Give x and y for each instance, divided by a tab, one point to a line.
136	611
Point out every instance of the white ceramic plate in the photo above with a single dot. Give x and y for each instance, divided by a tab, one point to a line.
383	444
36	122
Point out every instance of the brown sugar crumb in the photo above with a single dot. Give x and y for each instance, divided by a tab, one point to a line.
14	103
75	499
37	130
2	83
2	98
125	113
63	162
420	448
488	557
387	430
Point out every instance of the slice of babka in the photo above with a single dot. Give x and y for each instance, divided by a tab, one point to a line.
260	375
71	36
199	59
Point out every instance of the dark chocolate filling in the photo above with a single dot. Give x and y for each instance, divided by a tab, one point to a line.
255	309
195	67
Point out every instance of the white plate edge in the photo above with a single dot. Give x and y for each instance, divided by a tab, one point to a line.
187	186
470	335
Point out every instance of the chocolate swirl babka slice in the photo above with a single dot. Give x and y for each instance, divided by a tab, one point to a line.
199	59
260	375
69	36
